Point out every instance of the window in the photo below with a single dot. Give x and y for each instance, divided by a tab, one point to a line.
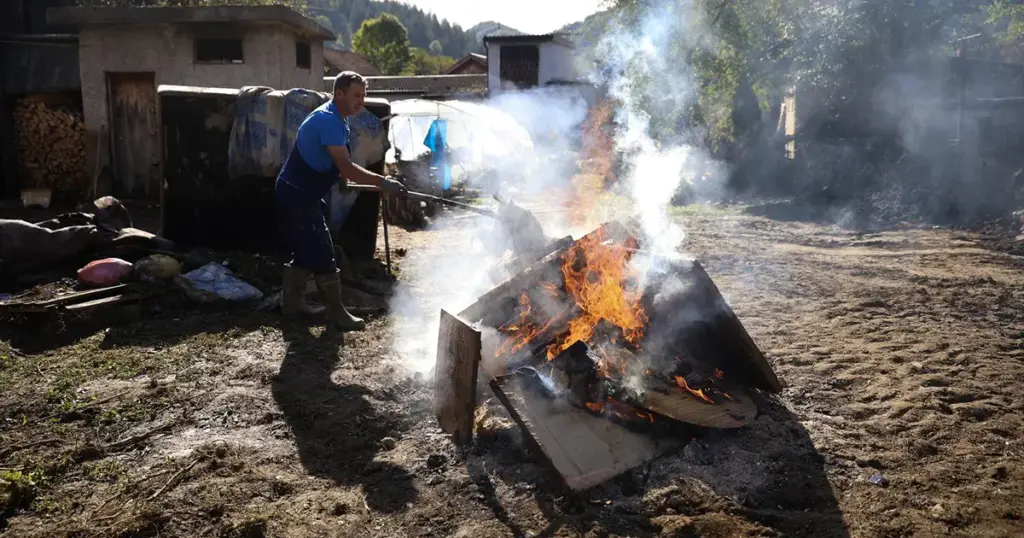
520	64
303	55
218	51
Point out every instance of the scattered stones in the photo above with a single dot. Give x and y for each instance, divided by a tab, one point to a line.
435	480
389	443
937	511
880	480
436	460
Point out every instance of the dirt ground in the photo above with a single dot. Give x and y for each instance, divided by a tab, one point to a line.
903	413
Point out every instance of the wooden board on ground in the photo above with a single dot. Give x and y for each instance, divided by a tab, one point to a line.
728	413
455	377
586	450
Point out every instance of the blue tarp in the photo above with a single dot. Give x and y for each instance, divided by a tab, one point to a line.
437	143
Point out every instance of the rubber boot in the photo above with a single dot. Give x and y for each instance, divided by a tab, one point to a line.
337	316
293	294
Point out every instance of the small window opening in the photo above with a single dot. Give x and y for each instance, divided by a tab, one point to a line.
303	55
218	51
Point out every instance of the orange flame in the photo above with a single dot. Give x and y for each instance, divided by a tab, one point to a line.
597	165
698	393
595	277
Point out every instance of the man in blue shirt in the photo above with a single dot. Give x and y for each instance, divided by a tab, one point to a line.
320	159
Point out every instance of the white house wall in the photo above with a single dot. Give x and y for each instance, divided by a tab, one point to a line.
555	63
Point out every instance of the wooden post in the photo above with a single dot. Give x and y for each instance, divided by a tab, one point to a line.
455	373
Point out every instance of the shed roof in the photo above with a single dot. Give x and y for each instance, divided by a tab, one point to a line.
439	85
469	58
530	39
346	60
84	16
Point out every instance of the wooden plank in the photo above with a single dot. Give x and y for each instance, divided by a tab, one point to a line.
105	301
733	412
733	336
64	300
455	377
586	450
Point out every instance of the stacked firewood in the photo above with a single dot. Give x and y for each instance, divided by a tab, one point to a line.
51	146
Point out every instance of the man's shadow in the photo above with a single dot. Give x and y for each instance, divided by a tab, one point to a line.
337	430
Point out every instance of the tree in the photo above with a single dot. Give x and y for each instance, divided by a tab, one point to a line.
384	42
436	49
423	63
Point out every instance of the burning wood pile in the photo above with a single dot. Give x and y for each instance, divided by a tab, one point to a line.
605	354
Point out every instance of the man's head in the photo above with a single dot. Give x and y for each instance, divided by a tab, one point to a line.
349	92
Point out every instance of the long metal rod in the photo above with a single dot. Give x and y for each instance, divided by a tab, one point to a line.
438	199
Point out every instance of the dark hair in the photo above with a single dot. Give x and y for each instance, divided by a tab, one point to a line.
346	79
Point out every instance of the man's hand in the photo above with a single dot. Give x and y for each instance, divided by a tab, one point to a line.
390	185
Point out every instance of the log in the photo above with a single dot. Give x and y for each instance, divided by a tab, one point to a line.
455	377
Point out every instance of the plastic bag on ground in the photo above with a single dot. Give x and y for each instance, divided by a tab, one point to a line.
216	279
105	272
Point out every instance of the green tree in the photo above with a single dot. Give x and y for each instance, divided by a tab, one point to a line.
384	42
424	63
436	49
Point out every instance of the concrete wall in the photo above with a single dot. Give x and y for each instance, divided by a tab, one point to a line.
493	67
555	63
168	52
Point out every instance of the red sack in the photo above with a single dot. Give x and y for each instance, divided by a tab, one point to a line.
106	272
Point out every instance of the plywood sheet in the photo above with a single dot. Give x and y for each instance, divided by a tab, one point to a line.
455	375
586	450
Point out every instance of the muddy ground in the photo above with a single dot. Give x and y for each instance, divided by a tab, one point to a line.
901	350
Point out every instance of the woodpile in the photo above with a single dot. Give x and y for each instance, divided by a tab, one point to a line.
51	146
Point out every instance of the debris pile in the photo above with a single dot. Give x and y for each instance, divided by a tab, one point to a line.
605	354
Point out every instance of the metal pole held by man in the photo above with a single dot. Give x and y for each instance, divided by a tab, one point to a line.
319	159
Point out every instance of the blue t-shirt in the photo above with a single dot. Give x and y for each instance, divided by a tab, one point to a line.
323	127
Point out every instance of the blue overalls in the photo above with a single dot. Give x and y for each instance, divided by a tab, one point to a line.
299	195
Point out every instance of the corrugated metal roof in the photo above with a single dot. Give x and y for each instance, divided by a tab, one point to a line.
529	38
428	85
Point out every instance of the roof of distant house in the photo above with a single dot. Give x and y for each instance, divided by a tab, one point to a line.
530	38
83	16
469	58
346	60
438	85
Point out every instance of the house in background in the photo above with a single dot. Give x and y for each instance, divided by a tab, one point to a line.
527	61
125	53
470	64
337	60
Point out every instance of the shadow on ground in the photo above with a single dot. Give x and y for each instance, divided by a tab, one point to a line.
336	428
766	479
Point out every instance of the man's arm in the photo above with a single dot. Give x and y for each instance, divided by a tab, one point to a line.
352	171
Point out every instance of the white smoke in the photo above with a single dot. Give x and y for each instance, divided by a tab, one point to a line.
645	74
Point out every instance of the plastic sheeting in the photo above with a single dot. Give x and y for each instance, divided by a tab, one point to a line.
477	133
265	127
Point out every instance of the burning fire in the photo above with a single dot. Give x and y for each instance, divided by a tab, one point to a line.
681	381
597	168
596	277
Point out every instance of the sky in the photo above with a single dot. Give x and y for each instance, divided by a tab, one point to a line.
530	16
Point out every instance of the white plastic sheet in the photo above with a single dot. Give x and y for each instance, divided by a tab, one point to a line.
216	279
478	132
